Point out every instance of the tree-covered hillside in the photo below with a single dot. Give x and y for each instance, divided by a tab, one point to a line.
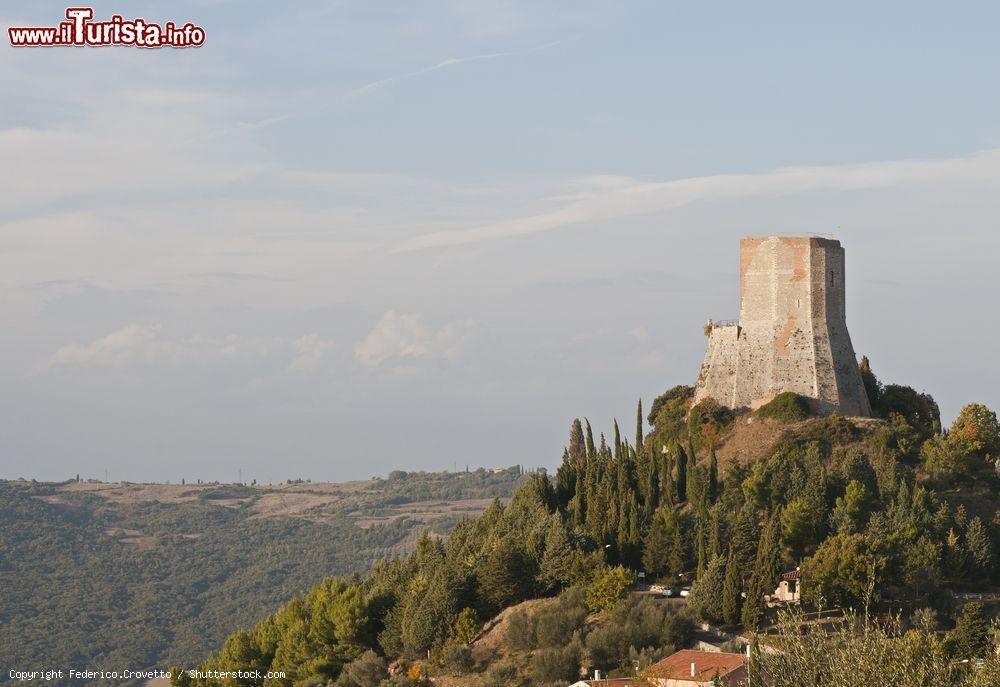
97	578
892	511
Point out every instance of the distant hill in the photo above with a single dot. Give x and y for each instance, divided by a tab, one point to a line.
146	575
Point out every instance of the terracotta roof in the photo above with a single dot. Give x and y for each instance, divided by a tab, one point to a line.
706	664
793	575
618	682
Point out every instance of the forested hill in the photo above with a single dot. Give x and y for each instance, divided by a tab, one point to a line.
138	576
889	516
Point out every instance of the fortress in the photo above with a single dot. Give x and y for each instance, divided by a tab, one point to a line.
791	334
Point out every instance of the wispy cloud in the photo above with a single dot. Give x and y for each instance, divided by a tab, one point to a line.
405	340
451	62
139	345
149	345
604	198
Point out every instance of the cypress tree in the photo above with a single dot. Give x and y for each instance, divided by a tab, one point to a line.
580	493
753	608
591	450
765	573
638	427
977	542
731	592
668	489
676	548
682	461
713	477
715	533
702	552
657	544
577	448
744	541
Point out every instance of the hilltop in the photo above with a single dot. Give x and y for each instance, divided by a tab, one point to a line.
893	516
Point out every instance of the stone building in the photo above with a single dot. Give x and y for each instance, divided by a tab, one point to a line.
791	334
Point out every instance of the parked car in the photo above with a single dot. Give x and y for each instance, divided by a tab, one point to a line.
669	592
685	591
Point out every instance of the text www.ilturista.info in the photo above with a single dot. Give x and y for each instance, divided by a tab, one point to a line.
81	31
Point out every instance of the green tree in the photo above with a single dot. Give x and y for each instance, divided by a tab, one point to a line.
744	542
800	523
663	550
713	476
839	573
971	637
980	553
466	626
849	512
638	428
873	388
682	473
609	587
556	568
504	576
731	590
705	600
975	432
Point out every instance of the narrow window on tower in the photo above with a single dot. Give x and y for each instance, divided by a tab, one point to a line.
833	278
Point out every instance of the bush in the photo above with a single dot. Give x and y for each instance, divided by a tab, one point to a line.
521	631
368	670
560	664
458	659
502	674
555	625
707	421
868	655
825	432
786	407
638	627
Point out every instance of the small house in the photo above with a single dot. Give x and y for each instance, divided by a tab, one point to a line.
788	587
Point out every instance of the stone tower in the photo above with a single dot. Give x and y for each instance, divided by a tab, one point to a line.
792	332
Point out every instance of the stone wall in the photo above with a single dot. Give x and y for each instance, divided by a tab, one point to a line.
792	332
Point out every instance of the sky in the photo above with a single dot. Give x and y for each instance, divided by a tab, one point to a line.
342	238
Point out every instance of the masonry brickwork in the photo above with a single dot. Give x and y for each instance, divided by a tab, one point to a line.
792	331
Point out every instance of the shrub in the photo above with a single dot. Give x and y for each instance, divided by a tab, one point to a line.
521	631
868	655
786	407
707	421
502	674
825	432
458	658
555	625
559	664
638	627
368	670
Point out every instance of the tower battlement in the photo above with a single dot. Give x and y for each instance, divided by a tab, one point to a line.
792	330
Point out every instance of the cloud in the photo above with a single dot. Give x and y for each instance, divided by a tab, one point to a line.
403	339
451	62
145	345
611	197
310	352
